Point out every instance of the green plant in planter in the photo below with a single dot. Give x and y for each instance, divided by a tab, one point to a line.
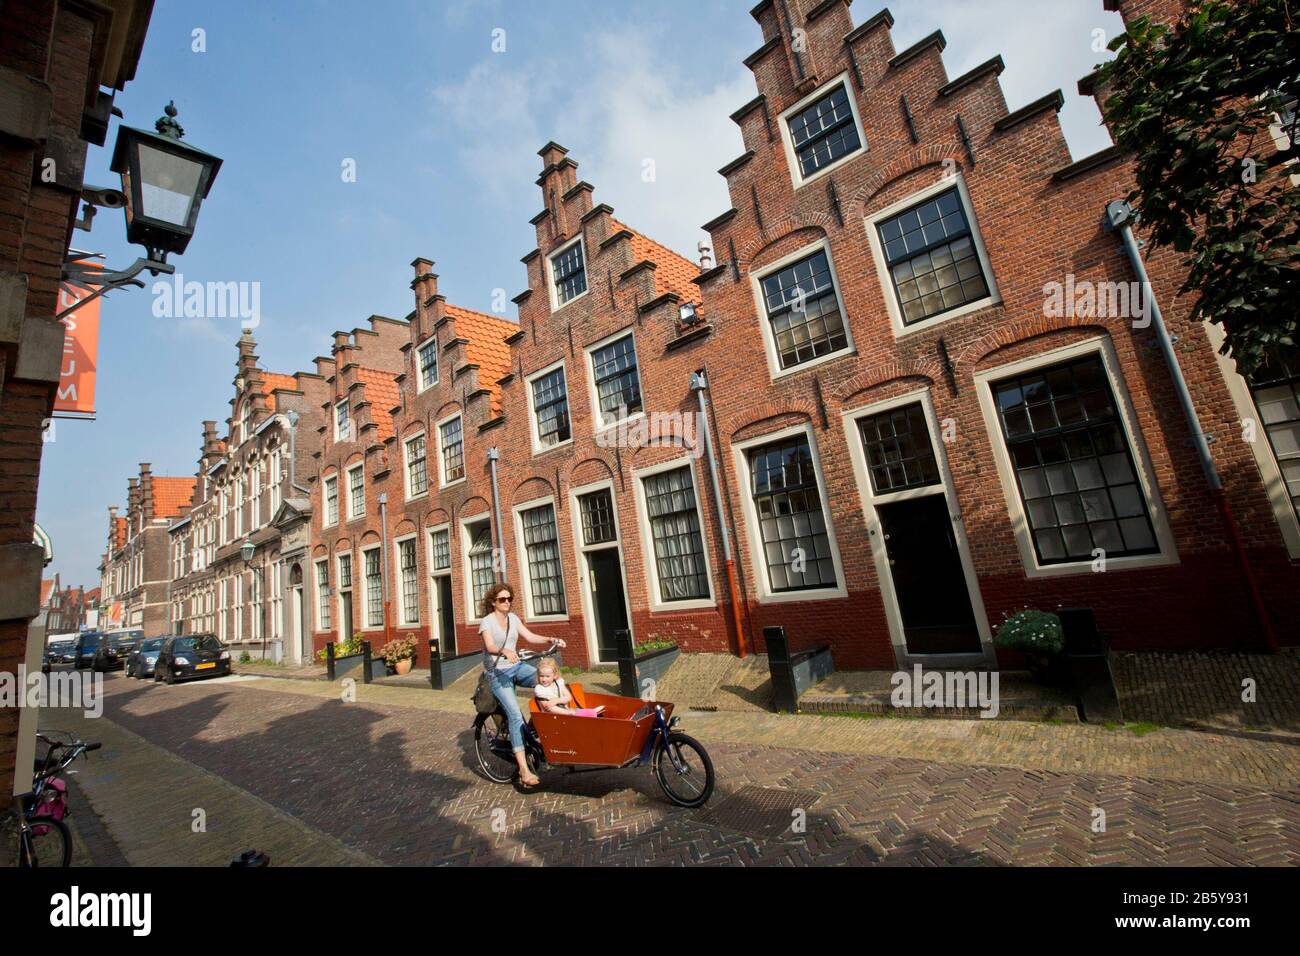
1038	636
245	658
341	649
652	644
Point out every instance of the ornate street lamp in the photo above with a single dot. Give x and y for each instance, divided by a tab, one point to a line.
164	183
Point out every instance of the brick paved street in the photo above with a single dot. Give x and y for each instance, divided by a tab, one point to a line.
286	766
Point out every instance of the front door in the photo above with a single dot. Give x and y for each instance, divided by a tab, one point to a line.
446	616
929	582
606	578
345	615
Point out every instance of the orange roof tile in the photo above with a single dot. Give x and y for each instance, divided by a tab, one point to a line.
170	495
47	587
383	396
487	346
274	380
119	533
673	272
92	595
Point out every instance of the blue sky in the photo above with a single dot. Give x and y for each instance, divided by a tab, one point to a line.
444	133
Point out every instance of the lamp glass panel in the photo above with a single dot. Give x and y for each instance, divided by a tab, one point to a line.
168	185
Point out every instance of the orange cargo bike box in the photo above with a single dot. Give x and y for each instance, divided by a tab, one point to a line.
622	734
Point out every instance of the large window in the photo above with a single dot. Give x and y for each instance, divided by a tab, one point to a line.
617	381
542	551
804	311
568	274
1073	465
357	492
597	511
410	581
323	595
824	131
428	359
931	257
452	441
551	408
331	500
675	531
374	589
791	522
417	471
1276	390
482	570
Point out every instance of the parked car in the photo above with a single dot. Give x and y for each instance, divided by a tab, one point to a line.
194	655
140	662
84	650
113	650
60	652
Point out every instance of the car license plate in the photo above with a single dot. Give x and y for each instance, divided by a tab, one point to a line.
201	667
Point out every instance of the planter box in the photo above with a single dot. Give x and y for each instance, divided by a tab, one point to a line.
344	664
810	667
654	665
445	671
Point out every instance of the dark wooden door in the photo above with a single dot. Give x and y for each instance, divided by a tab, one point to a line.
606	580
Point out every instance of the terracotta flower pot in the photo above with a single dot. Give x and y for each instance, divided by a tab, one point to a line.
403	667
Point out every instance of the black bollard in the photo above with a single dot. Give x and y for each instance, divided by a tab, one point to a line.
785	697
626	664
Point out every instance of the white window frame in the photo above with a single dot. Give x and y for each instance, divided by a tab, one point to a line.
590	367
437	365
550	273
402	620
538	447
406	466
765	323
339	589
740	461
1105	350
431	573
338	435
943	184
1270	472
352	514
581	551
323	600
876	539
442	472
326	522
656	603
467	584
365	589
521	555
787	141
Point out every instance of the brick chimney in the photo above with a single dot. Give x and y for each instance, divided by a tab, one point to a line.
429	305
559	175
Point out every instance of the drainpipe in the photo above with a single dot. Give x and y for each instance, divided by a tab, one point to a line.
494	455
1120	217
383	566
699	384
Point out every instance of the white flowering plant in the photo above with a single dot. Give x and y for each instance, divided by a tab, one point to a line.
1031	631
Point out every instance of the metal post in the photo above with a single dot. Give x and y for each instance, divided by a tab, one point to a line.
329	660
1120	216
493	455
365	662
785	696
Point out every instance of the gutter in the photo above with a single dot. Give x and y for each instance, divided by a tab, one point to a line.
1120	217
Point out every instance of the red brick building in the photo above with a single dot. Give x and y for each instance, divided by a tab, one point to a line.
59	66
915	433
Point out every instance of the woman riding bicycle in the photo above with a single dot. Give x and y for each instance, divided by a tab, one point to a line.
501	630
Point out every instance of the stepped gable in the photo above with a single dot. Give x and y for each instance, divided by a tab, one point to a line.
487	346
674	273
381	394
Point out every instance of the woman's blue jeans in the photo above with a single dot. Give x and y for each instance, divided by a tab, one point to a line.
504	682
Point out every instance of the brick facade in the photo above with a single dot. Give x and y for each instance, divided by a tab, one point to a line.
54	59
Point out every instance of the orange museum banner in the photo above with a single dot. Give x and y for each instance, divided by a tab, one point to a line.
76	392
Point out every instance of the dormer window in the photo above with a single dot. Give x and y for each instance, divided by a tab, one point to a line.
822	130
568	274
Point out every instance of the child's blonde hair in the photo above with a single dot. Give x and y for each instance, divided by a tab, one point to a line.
549	663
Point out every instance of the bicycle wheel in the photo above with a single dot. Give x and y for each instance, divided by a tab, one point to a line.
692	785
496	768
53	848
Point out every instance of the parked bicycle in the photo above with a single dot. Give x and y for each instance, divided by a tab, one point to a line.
628	733
43	838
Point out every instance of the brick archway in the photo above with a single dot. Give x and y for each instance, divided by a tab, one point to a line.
908	163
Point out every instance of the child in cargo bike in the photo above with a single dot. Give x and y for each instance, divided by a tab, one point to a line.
553	696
